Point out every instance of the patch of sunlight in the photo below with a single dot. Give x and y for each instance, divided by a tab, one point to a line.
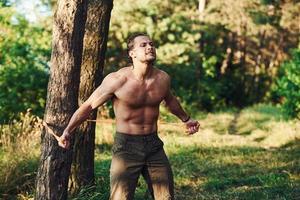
102	156
219	122
256	126
281	133
190	181
105	133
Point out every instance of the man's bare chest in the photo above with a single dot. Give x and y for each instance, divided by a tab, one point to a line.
137	95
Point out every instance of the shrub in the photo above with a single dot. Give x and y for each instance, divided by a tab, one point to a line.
22	87
24	52
288	85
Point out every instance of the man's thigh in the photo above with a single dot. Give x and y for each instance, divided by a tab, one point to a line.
124	173
159	177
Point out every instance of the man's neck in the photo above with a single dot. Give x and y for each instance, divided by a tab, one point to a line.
142	71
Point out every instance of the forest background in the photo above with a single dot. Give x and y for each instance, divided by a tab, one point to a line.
224	56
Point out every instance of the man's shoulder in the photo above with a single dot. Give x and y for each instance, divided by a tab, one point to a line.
119	73
162	75
116	77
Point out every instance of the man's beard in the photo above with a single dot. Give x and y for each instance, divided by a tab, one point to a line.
151	59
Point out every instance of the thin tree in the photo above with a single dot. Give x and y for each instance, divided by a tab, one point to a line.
94	48
62	98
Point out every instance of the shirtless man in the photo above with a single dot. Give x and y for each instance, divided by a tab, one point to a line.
136	92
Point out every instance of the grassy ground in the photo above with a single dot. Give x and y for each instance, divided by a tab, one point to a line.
249	154
19	154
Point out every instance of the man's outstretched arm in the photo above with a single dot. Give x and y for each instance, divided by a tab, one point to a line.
102	94
172	103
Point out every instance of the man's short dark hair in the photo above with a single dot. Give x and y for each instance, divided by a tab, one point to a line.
130	42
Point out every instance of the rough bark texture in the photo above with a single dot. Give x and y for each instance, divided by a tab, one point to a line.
62	97
95	41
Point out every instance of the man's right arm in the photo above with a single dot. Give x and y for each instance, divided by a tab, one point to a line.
102	94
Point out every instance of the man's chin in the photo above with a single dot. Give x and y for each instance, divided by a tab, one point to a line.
151	59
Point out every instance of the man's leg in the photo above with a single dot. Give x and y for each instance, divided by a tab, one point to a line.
126	166
159	177
124	175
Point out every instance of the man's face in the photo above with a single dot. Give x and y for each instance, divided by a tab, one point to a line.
143	50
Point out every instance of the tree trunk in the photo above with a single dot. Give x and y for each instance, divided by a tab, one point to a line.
95	40
62	98
201	8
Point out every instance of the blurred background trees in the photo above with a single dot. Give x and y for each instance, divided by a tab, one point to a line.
220	54
24	55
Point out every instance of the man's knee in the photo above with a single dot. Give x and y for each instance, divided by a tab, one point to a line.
122	190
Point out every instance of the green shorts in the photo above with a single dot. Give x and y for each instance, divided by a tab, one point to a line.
140	154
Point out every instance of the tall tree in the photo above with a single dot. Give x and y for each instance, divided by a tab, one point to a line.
258	34
62	97
95	42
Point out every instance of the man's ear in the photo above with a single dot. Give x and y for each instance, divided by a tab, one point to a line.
131	54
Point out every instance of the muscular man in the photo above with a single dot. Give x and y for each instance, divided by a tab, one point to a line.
136	92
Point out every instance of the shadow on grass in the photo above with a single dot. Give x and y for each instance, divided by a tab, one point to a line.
222	173
232	129
256	117
241	129
19	179
202	173
100	190
290	154
237	173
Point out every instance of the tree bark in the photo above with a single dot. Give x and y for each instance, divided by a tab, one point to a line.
62	98
201	8
95	42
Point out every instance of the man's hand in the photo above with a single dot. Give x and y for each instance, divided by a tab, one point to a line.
192	126
64	140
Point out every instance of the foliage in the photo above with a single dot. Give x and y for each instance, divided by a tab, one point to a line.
288	85
25	50
4	3
176	35
225	56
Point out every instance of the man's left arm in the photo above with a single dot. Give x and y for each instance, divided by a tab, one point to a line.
172	103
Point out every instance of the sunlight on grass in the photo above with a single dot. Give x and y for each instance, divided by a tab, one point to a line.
19	152
249	154
234	156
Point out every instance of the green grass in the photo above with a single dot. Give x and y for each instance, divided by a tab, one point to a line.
248	154
203	172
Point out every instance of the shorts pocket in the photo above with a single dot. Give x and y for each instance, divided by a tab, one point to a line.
157	145
118	146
